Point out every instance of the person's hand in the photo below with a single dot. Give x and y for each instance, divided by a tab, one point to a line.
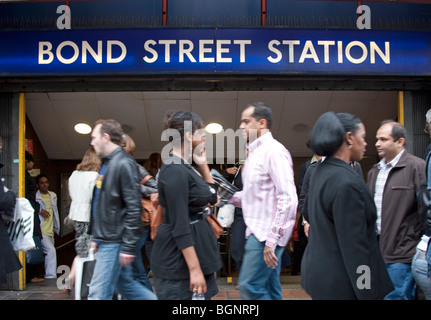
217	203
232	170
269	257
197	282
94	246
306	228
200	155
44	213
126	259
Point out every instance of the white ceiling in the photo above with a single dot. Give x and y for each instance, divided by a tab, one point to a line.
54	114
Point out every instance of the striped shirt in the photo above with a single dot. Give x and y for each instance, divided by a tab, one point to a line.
382	176
268	198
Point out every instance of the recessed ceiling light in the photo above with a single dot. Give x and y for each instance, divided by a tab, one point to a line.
127	128
82	128
214	128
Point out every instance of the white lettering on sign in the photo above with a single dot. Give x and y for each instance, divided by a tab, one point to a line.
313	51
222	51
47	54
186	48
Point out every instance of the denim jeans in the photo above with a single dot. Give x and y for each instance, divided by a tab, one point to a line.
402	279
256	280
109	275
420	270
139	272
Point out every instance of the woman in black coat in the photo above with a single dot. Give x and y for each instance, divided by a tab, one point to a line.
342	259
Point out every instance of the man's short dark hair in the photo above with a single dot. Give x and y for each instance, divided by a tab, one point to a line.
39	176
262	111
113	129
398	130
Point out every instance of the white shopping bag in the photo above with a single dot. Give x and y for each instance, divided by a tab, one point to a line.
84	268
225	215
21	229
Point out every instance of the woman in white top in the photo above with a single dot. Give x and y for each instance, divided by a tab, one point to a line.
81	185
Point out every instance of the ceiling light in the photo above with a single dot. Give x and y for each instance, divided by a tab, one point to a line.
82	128
214	128
127	128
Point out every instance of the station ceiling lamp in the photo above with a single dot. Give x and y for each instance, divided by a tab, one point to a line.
82	128
214	128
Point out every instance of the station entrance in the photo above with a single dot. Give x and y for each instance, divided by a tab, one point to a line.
57	147
51	113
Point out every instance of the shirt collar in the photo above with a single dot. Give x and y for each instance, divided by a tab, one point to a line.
393	163
259	141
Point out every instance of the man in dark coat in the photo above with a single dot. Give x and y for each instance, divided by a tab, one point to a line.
394	182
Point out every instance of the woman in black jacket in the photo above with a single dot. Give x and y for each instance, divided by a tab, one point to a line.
185	254
342	259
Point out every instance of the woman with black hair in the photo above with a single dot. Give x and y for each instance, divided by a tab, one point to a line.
185	254
342	259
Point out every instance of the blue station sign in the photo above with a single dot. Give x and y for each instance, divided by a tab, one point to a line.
214	51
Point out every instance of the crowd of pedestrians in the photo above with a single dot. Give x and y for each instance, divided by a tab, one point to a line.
365	238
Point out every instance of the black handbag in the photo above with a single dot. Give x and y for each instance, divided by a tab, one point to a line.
87	274
84	269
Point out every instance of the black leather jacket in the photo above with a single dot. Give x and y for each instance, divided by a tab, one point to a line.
117	217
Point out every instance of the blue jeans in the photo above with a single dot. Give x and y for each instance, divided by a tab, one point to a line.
256	280
402	279
420	273
109	275
139	272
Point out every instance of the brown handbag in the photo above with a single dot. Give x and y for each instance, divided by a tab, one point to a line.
157	214
147	211
152	214
147	207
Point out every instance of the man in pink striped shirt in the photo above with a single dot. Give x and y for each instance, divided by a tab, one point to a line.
269	203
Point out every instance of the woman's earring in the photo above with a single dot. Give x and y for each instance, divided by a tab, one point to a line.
350	146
